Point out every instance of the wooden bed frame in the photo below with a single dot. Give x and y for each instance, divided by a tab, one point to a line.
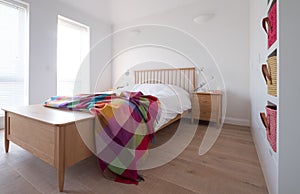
52	135
182	77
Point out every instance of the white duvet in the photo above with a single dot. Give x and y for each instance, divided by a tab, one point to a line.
174	100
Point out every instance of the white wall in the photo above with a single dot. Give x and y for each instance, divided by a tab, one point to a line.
259	97
227	38
42	58
289	133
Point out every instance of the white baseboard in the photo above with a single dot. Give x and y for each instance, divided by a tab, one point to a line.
1	122
236	121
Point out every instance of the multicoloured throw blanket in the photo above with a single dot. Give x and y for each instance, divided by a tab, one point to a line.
127	129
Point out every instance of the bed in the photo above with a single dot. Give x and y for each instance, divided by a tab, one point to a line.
53	136
179	77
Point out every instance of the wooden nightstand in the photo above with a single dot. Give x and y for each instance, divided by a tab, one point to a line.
207	106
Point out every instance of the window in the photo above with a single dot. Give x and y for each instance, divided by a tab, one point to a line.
14	54
73	43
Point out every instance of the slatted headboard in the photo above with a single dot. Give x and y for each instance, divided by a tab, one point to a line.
182	77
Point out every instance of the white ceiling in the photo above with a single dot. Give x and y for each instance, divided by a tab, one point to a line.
120	11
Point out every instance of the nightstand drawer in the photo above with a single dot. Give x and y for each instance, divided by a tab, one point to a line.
201	106
203	99
205	115
208	114
206	103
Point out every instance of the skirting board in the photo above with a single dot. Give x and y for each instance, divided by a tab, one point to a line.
235	121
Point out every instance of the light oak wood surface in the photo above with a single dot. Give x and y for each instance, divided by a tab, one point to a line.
49	115
207	106
230	167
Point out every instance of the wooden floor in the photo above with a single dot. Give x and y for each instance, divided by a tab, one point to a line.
230	167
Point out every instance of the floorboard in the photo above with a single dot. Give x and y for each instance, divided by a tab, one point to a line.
231	166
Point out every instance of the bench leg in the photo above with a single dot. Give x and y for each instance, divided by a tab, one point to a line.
6	132
60	155
6	145
61	179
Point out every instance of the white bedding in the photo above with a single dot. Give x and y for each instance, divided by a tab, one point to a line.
174	100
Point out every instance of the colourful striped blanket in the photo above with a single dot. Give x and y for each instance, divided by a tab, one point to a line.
127	129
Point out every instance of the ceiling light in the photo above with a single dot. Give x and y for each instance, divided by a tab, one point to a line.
204	17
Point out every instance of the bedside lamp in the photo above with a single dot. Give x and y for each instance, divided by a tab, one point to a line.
202	84
124	80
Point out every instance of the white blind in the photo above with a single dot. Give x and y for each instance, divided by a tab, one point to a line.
73	42
13	60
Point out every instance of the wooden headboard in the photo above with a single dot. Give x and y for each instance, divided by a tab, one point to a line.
182	77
